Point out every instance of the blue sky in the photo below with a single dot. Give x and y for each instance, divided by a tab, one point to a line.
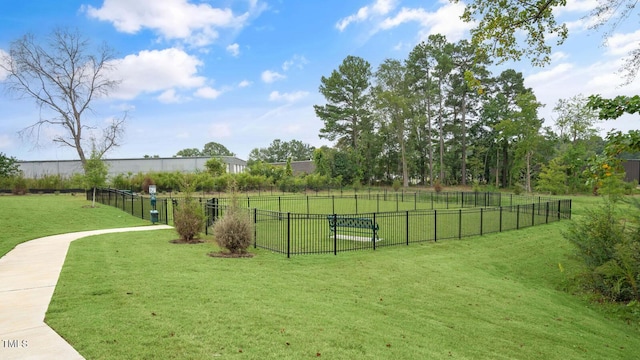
245	72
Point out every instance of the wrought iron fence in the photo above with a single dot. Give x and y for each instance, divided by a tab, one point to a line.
295	224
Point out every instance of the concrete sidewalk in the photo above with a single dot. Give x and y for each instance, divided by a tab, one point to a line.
28	277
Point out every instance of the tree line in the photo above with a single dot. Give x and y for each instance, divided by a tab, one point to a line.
440	115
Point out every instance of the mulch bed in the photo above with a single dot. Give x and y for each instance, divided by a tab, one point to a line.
221	254
180	241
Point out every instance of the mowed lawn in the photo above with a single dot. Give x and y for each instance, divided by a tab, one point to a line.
499	296
29	217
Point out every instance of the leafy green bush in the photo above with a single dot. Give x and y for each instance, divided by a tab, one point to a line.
19	186
396	185
610	252
121	182
553	178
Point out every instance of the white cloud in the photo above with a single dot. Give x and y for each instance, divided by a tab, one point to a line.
297	61
269	76
156	70
244	83
553	73
233	49
445	21
576	6
219	131
377	8
622	44
170	97
600	77
288	97
197	24
559	55
208	93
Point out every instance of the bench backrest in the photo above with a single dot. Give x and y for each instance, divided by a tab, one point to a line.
351	222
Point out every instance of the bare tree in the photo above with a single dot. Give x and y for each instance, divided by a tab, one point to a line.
63	76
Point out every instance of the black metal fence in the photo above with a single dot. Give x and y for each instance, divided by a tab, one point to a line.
297	224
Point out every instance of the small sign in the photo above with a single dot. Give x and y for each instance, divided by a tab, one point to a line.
152	189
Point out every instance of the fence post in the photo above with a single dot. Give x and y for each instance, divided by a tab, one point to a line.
166	212
255	228
546	215
533	214
335	234
500	218
142	207
132	211
460	224
288	235
435	226
374	232
355	196
279	204
481	219
559	201
407	224
518	217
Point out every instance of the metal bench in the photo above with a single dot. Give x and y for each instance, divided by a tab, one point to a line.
355	228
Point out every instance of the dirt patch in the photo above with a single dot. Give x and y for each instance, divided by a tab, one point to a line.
180	241
221	254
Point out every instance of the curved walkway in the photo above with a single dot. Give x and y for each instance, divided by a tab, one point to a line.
28	277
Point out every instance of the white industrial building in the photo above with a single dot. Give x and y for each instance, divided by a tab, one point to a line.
66	168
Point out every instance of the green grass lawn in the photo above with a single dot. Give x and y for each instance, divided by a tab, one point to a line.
500	296
33	216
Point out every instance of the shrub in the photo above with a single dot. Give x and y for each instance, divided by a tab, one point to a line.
19	186
610	251
476	186
120	181
517	189
396	185
437	186
188	218
234	231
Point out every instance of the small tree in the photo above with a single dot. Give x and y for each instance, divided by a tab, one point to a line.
188	218
215	167
234	231
95	171
553	178
63	75
8	166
